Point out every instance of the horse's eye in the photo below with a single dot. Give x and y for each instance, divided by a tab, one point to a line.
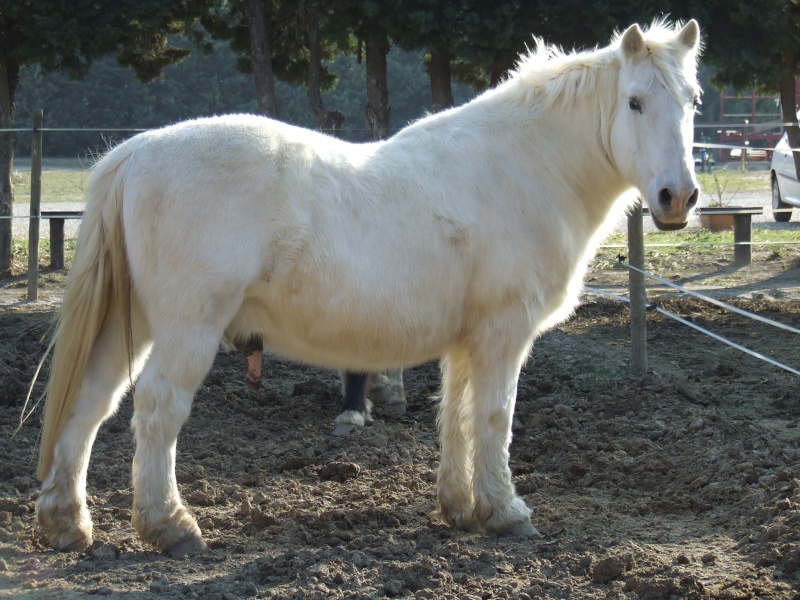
633	104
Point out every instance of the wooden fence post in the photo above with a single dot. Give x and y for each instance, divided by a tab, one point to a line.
638	304
36	197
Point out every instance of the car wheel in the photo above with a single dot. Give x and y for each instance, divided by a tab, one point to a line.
781	211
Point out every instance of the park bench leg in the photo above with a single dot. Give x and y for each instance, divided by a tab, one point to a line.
741	239
57	243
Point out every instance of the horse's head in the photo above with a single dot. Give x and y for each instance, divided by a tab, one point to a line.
653	125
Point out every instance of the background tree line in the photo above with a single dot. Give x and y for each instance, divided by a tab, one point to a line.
202	85
311	43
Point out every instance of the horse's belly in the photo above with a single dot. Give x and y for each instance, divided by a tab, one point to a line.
361	334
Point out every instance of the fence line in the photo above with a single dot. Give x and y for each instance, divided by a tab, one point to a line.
701	244
697	327
701	144
714	301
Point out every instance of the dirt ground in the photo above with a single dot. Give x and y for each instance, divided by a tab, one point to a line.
683	482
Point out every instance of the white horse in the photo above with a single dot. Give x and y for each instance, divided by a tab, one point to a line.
463	237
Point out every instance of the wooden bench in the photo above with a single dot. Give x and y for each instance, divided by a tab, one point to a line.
57	218
742	227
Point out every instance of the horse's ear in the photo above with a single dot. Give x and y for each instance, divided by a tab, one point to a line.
689	36
632	43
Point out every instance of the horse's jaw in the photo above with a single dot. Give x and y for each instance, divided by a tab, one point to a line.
668	226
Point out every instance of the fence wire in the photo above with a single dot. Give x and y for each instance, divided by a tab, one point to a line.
697	327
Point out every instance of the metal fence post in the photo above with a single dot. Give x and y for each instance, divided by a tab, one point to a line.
638	304
36	197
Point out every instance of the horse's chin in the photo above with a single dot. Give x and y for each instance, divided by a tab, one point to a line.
668	226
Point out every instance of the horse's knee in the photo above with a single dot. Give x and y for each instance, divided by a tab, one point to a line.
160	409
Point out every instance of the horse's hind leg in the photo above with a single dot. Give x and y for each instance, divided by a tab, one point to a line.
181	357
61	507
356	409
454	480
386	389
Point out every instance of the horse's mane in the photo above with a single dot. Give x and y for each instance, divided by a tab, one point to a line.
552	75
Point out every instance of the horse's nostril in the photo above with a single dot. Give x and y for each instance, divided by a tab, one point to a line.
693	198
665	198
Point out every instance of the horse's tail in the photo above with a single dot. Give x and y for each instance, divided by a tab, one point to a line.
98	288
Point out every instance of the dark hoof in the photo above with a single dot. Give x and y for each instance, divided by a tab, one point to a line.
189	547
395	408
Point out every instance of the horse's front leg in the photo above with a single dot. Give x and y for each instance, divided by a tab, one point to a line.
494	372
356	408
181	357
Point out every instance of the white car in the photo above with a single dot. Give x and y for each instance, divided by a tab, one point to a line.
785	187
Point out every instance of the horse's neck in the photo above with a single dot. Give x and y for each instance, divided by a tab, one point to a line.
569	144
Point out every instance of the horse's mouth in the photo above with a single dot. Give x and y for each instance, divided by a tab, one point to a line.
668	226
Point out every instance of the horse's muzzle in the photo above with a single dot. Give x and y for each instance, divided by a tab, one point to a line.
673	207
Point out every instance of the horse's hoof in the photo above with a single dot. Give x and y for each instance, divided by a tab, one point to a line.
75	543
67	528
522	529
350	421
74	540
189	547
344	429
394	408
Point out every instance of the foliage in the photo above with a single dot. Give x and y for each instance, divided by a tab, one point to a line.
749	42
203	85
67	36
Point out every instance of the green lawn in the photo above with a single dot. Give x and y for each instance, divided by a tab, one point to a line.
57	186
723	185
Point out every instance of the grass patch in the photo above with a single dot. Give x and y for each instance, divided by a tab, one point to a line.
671	248
722	186
19	254
57	186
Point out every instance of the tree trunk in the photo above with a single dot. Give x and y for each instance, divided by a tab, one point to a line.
788	93
262	60
501	66
9	73
328	120
441	78
496	74
378	108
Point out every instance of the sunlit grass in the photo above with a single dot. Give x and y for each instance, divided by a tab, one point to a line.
19	254
723	186
57	186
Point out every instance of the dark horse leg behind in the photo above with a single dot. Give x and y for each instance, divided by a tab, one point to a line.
355	387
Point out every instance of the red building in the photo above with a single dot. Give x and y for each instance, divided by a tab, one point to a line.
752	121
